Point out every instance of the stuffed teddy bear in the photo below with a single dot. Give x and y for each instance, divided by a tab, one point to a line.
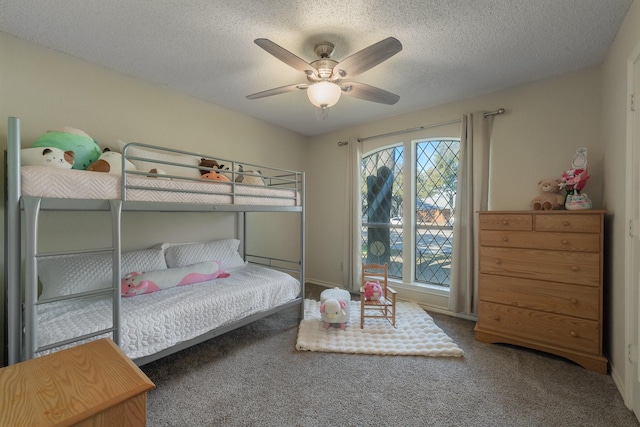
372	291
249	177
208	163
549	197
221	168
110	162
86	150
47	156
215	176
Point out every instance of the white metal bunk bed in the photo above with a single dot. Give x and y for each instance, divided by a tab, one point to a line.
283	192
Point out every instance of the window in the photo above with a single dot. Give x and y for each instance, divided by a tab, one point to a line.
382	209
409	210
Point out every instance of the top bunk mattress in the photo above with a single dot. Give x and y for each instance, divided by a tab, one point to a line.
42	181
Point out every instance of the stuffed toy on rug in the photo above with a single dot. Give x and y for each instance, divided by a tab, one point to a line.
372	291
334	307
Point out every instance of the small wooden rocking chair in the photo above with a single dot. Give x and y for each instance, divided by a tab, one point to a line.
385	306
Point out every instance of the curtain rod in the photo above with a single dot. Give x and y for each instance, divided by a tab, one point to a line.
409	130
498	112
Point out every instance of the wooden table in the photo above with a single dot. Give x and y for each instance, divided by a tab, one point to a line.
93	384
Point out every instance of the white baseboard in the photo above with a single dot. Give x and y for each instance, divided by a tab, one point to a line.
323	283
620	384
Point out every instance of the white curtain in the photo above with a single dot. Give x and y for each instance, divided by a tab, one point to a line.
472	196
353	212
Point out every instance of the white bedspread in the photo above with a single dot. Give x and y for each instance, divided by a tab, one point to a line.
42	181
155	321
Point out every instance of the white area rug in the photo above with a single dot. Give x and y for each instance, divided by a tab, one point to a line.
415	334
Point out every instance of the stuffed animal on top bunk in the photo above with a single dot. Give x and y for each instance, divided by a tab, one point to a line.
215	176
156	172
110	162
250	177
85	148
47	156
208	163
230	172
221	168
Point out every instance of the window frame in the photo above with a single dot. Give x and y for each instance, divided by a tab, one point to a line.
409	145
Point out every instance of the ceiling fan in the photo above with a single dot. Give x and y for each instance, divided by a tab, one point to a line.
328	79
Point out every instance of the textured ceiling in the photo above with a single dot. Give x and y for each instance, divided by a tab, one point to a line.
452	49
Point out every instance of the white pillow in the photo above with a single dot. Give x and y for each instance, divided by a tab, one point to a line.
225	251
70	274
145	166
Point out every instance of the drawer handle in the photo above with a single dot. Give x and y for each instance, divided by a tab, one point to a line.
496	318
566	223
564	241
498	261
505	222
574	268
505	239
573	301
573	334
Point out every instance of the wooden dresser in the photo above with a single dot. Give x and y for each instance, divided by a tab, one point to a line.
93	384
540	282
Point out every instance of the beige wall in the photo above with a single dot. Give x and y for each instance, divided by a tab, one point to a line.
47	89
545	123
614	125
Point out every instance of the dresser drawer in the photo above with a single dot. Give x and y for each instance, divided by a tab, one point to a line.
506	222
587	223
551	297
554	329
579	242
581	268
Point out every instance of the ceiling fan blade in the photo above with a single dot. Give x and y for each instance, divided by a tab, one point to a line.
285	56
277	91
367	58
369	93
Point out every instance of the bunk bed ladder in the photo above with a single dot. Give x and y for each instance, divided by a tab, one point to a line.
32	207
31	214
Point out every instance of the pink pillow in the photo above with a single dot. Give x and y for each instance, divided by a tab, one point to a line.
136	283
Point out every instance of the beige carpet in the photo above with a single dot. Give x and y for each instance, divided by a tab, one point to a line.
416	334
254	377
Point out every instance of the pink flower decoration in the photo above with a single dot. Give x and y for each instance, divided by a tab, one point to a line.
574	179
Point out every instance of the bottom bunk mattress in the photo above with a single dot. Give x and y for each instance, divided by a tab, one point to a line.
153	322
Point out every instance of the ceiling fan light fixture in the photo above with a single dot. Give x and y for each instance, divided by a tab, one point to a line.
324	94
